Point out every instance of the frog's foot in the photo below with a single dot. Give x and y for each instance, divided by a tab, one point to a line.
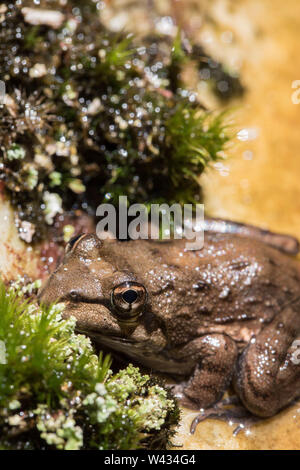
238	415
229	409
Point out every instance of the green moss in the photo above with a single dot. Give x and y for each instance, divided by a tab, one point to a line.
196	141
56	393
92	115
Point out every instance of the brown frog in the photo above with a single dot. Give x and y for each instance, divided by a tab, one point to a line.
227	313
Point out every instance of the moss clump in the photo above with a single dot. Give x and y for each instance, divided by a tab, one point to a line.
91	115
56	393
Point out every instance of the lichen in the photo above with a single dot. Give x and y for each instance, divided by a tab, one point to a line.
56	393
15	152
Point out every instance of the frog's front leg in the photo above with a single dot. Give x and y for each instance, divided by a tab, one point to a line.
216	356
267	376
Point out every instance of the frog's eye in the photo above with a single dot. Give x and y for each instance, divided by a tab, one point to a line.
128	299
71	243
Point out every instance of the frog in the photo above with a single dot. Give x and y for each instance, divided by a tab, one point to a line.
226	315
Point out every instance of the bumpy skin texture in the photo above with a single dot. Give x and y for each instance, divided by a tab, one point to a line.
228	311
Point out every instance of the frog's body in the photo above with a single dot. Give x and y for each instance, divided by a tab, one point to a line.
228	311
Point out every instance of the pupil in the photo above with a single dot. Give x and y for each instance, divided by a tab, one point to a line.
130	296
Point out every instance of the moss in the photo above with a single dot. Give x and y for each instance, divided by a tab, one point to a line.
91	115
56	393
15	152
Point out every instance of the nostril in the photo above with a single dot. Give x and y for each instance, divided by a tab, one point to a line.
130	296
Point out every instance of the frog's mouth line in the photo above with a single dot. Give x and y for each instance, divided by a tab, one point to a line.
107	338
136	349
140	351
125	345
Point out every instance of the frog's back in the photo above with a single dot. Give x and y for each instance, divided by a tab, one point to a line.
233	284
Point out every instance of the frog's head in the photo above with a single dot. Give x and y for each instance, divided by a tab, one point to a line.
97	289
